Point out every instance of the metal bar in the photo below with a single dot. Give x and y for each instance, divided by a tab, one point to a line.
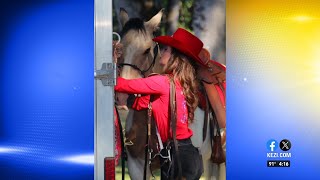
104	117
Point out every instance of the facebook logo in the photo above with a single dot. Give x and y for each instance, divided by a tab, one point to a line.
272	145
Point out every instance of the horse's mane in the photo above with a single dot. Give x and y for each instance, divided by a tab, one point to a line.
133	24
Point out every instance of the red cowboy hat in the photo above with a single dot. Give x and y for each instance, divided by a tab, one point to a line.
183	41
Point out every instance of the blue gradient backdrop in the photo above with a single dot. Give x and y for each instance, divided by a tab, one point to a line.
46	92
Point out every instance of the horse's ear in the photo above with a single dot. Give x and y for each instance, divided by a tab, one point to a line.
154	22
123	16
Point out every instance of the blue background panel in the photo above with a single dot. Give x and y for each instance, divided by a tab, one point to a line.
47	90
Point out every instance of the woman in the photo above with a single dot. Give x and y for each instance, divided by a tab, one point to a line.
178	57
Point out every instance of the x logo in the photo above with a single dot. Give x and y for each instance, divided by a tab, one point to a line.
285	145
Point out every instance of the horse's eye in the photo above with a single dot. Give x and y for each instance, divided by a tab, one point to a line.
146	51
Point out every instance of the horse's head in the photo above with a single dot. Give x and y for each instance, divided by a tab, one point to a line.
139	56
138	47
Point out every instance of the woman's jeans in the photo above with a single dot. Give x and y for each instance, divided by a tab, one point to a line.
190	159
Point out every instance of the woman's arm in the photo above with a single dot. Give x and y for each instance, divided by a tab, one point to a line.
151	85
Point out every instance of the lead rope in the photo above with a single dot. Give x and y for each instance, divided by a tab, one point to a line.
174	126
147	148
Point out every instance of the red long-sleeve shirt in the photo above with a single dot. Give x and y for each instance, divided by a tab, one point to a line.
159	86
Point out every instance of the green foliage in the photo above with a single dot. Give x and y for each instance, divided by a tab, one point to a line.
186	12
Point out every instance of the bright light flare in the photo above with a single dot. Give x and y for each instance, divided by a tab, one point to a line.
8	150
303	18
86	159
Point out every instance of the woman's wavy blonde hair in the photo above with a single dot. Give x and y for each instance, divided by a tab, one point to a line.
183	69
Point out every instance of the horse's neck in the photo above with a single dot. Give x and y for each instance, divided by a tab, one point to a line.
157	68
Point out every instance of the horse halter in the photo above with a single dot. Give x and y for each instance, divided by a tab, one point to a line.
142	72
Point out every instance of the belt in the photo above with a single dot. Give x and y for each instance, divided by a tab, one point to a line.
181	142
184	142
